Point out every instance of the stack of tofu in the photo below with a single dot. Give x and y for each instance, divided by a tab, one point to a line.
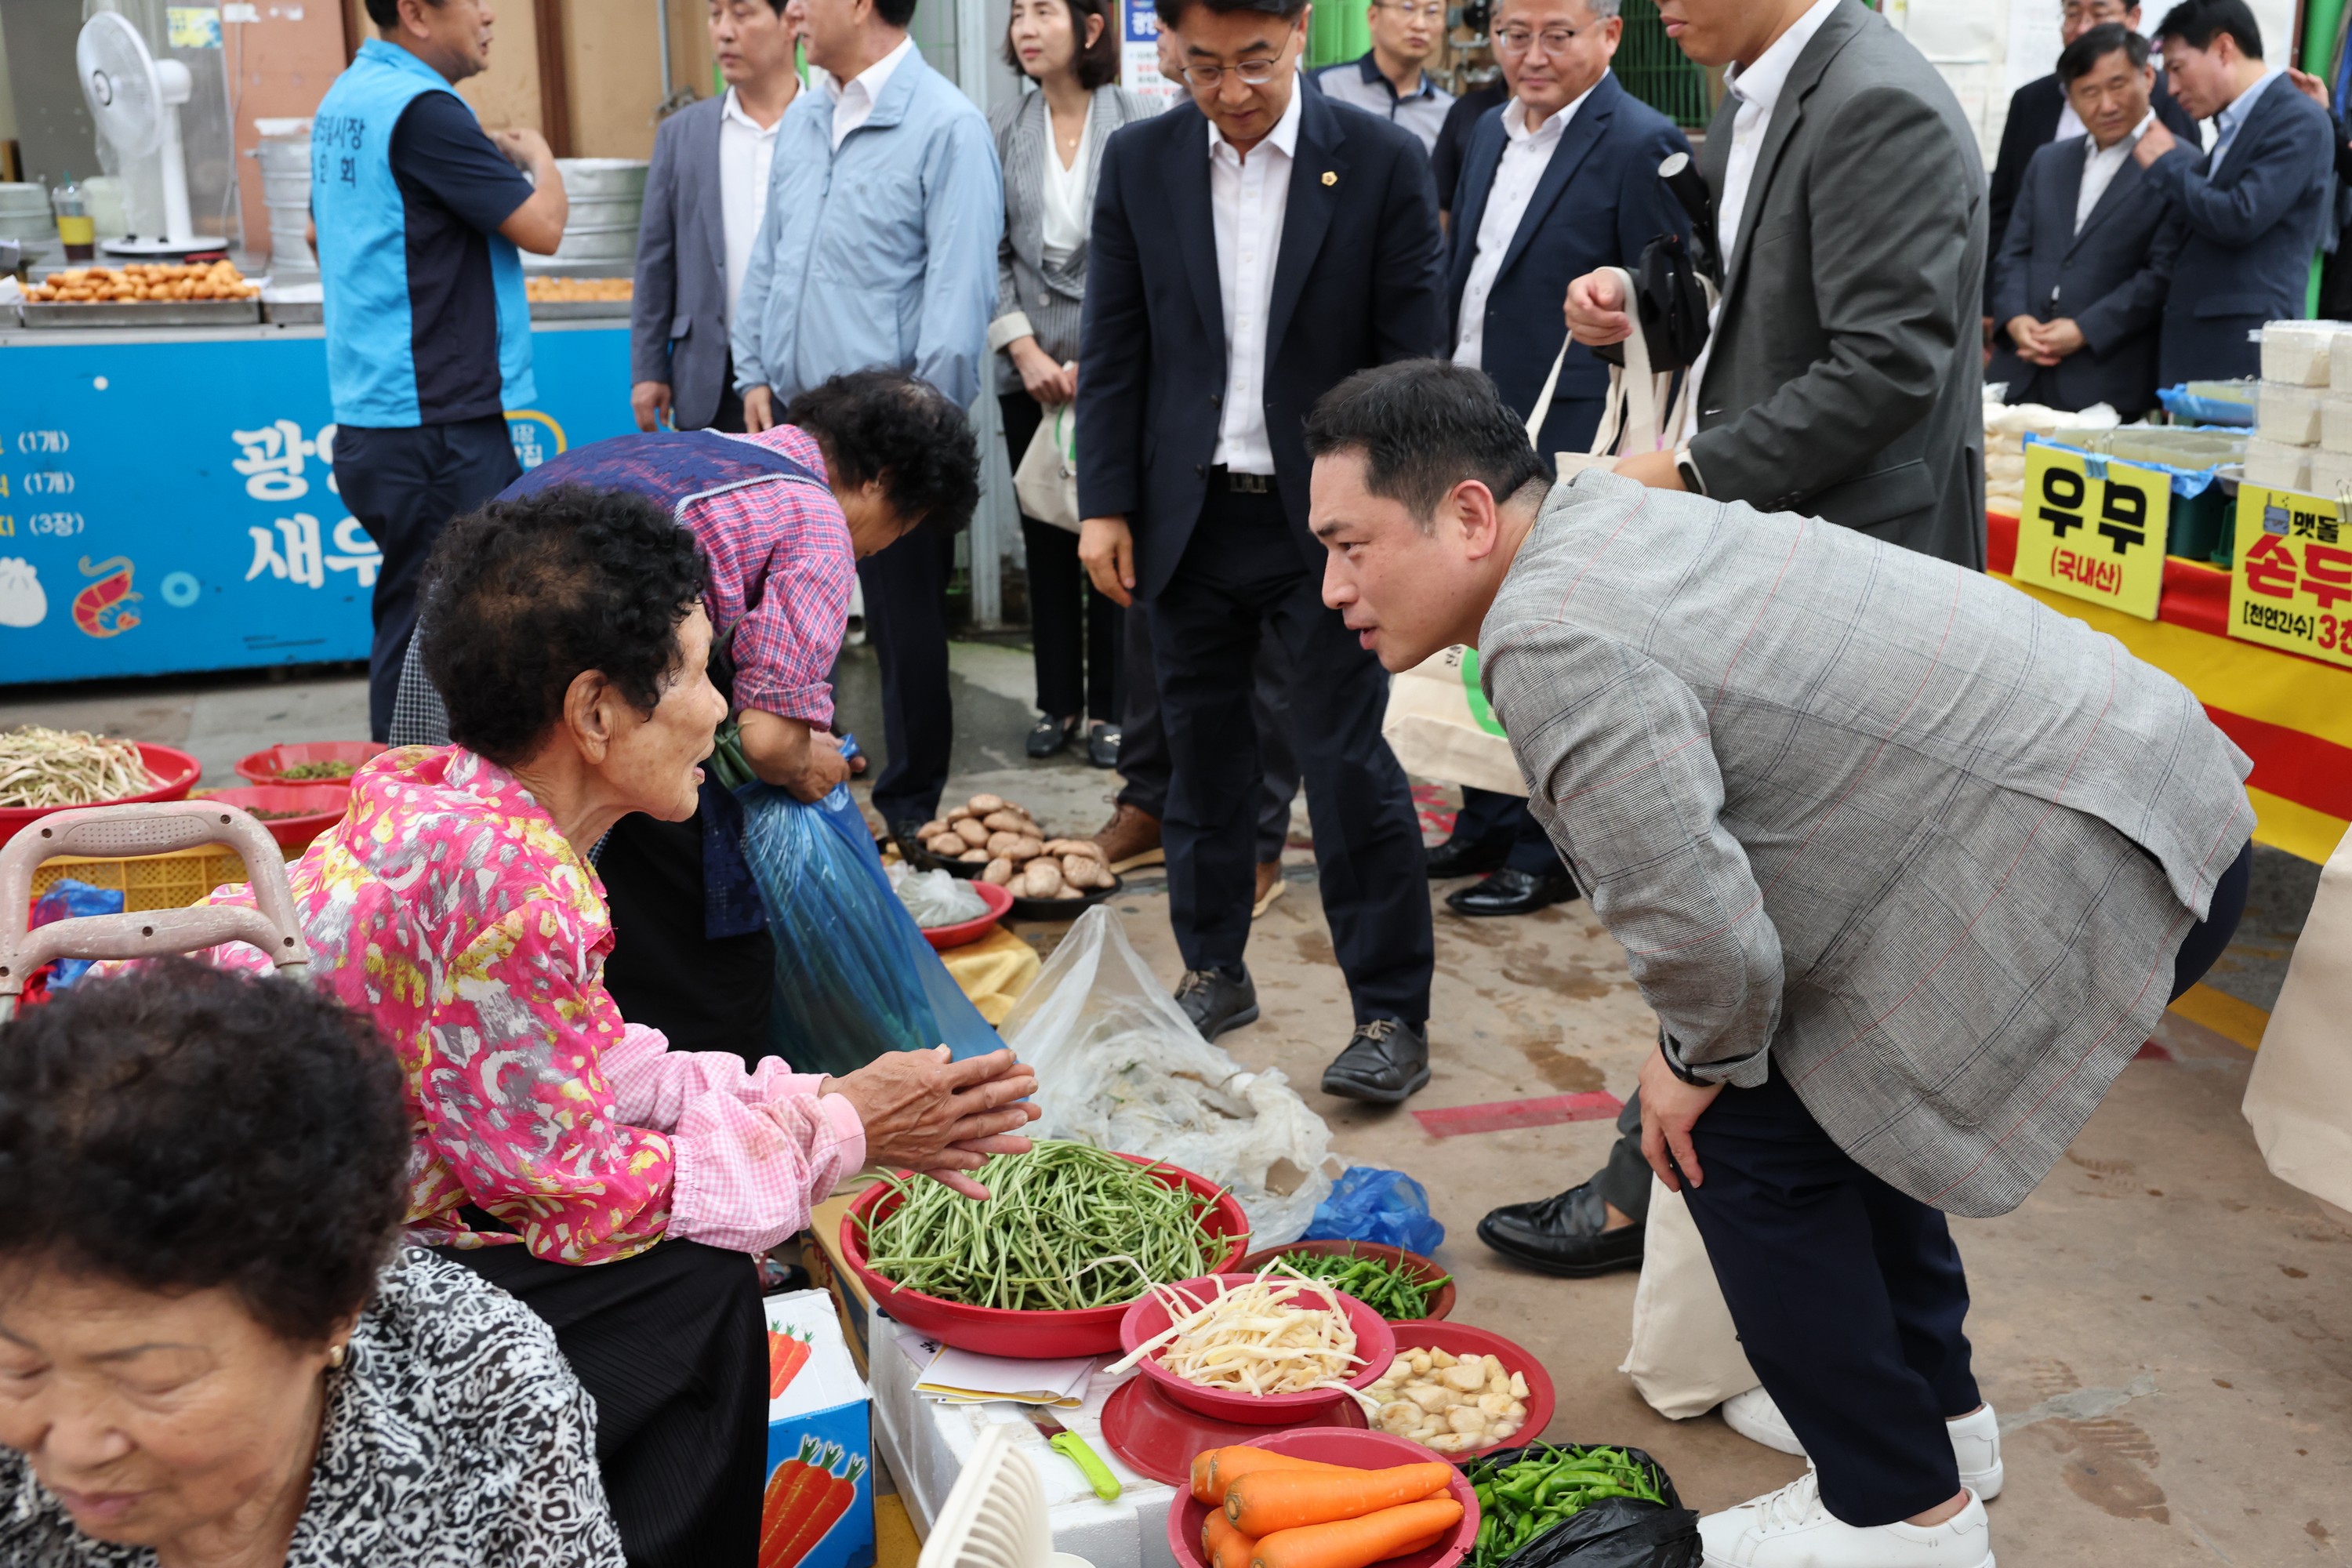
2303	409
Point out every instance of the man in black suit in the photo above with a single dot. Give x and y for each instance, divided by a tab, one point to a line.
1252	249
2040	113
2079	286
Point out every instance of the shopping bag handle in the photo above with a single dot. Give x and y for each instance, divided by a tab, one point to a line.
156	827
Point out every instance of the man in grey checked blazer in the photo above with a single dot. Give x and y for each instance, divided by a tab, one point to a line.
1906	863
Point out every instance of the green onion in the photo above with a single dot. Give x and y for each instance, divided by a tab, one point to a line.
1394	1290
1068	1227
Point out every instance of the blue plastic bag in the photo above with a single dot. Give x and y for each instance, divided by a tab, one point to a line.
68	900
1370	1203
854	976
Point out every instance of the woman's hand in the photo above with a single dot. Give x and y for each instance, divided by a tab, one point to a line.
1670	1109
1042	379
940	1117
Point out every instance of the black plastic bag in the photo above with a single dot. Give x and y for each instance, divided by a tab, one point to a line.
1614	1532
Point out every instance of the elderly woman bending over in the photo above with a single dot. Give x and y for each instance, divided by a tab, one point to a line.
209	1352
615	1187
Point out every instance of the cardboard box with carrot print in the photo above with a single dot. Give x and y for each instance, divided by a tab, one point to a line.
819	1510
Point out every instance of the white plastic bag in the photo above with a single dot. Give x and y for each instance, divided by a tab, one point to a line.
1685	1357
934	898
1120	1066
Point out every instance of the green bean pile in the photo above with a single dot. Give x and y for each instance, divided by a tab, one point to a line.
1066	1227
1396	1292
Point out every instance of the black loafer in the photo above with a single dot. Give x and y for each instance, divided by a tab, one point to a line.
1216	1000
1563	1234
907	837
1386	1060
1511	891
1455	859
1102	745
1049	737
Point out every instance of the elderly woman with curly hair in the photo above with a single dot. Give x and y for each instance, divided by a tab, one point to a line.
213	1350
617	1187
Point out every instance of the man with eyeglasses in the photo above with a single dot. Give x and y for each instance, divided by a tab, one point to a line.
1252	248
1388	79
1559	180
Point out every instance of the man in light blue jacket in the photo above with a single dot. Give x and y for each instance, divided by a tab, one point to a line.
878	247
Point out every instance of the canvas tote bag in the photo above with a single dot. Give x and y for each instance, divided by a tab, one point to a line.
2299	1098
1440	727
1046	482
1629	422
1685	1357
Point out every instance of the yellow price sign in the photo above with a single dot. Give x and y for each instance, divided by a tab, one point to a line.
2093	529
2291	575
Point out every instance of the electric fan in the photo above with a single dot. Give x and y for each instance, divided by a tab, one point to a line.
135	99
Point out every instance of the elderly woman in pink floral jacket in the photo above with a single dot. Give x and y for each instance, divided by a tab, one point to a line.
613	1184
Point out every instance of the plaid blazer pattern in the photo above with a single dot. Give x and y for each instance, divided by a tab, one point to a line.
1881	824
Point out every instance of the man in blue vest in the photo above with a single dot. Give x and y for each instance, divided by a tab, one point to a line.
418	213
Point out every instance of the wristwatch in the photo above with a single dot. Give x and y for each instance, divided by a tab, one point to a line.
1689	470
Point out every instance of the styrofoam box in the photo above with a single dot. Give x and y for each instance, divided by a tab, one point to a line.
2335	420
2289	414
2297	353
2331	473
2277	465
2340	361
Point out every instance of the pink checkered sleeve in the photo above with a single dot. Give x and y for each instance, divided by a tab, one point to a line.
754	1151
781	572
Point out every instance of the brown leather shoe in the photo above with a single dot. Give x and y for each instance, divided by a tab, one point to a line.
1269	886
1131	838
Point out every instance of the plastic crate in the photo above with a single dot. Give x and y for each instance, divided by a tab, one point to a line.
169	881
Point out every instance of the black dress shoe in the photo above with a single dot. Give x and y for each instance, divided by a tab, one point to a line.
907	837
1102	745
1217	1000
1563	1234
1511	891
1386	1060
1455	859
1050	736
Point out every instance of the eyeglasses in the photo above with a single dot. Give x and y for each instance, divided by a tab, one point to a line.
1555	40
1429	13
1256	73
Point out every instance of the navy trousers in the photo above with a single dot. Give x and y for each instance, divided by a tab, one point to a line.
907	621
1242	579
404	484
1489	817
1143	763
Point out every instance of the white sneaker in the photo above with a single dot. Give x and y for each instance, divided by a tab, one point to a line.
1976	1438
1790	1529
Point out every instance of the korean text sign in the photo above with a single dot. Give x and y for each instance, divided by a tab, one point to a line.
2291	587
2093	529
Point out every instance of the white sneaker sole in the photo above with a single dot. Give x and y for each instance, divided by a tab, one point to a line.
1986	1484
1782	1442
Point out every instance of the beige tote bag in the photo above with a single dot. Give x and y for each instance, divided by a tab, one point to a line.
1631	423
1440	727
2299	1098
1685	1357
1046	482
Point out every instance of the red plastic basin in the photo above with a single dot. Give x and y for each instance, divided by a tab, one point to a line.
998	900
1460	1340
320	807
1339	1445
1030	1336
268	765
1146	1316
1413	1263
177	769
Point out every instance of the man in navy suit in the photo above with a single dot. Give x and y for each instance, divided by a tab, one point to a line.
2081	278
1252	249
1561	179
2256	207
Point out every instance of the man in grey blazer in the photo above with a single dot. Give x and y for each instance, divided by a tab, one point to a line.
705	195
1906	863
1844	372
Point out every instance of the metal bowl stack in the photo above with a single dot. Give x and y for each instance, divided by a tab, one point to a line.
26	218
285	156
606	196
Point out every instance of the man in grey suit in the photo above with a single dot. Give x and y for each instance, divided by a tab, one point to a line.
705	196
1844	370
1906	863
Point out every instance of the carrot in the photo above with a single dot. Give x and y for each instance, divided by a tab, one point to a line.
1285	1499
1227	1465
841	1492
1223	1546
794	1492
786	1355
1358	1542
1201	1492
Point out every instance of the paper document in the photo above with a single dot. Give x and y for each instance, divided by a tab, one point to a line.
961	1377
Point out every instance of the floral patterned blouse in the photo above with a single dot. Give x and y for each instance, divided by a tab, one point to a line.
455	1435
448	908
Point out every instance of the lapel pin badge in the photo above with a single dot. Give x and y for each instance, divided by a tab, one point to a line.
1330	178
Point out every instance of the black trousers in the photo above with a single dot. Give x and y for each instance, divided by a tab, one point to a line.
1849	1294
673	1346
1488	817
1143	762
1074	632
1243	581
706	995
907	621
404	484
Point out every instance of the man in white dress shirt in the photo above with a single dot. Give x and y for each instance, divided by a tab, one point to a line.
705	196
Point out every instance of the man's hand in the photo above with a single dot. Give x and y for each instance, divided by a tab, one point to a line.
2061	338
2025	332
2154	144
522	146
649	400
1655	470
1596	311
794	755
2311	87
1670	1108
1042	379
942	1118
537	226
758	410
1106	549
